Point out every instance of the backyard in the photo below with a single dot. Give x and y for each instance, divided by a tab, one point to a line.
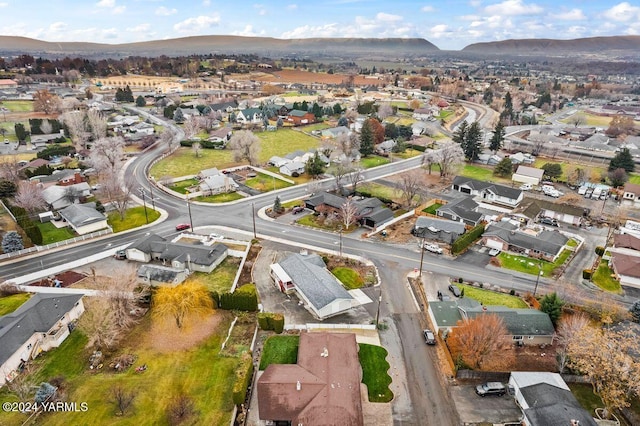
532	266
51	234
200	374
220	279
483	174
12	302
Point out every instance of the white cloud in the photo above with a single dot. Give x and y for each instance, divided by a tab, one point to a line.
292	6
163	11
197	24
570	15
440	30
4	4
106	3
475	3
305	31
261	9
381	25
111	4
206	2
140	28
118	10
512	8
387	17
57	26
247	32
623	12
427	9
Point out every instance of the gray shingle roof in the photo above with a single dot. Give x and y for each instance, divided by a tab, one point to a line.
549	242
144	244
478	185
38	314
552	406
325	198
424	222
183	253
519	322
81	215
312	278
536	206
158	273
464	208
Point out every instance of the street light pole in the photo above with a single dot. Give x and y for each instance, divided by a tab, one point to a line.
144	203
189	207
378	311
535	290
421	256
253	216
153	200
341	241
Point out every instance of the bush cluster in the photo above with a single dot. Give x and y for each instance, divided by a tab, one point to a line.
271	321
27	225
465	240
244	373
245	298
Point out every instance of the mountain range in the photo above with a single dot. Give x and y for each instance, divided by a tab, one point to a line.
347	48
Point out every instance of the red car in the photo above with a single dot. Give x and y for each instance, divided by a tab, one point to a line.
183	227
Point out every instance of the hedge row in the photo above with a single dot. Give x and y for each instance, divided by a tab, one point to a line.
417	147
465	240
245	298
271	321
27	225
204	144
244	373
366	194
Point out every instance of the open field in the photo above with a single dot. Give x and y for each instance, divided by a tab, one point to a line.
18	106
301	76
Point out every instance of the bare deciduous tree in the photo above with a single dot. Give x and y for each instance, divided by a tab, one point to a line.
410	184
385	110
122	399
97	124
197	148
477	342
106	154
341	170
29	197
45	101
577	119
450	157
9	169
348	212
568	329
168	137
46	127
72	194
77	129
181	410
245	146
191	127
117	190
69	104
355	177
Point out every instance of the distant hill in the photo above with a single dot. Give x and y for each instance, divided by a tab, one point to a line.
535	47
263	46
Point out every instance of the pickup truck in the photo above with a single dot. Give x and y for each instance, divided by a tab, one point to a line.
433	248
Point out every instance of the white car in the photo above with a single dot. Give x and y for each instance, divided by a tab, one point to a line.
433	248
494	252
214	236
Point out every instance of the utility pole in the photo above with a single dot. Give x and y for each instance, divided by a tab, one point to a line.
421	256
535	290
379	303
253	216
189	207
153	201
340	241
144	203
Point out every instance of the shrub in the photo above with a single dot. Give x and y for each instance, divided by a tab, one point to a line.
512	292
587	273
245	298
271	321
465	240
460	280
599	250
244	373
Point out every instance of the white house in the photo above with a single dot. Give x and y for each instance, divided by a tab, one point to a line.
249	115
56	196
487	191
217	184
293	167
307	275
83	218
40	324
526	174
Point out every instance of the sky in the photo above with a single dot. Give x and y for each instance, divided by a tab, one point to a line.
449	24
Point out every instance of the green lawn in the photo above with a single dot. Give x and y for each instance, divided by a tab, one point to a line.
529	265
432	208
199	373
315	126
444	114
181	186
482	173
184	162
408	153
349	277
591	120
572	243
375	372
373	161
221	279
266	183
634	178
12	302
133	218
491	298
603	278
18	106
280	350
219	198
585	396
294	203
378	190
51	234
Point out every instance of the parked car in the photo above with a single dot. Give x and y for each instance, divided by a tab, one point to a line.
214	236
183	227
526	187
494	252
549	221
429	338
297	209
443	297
455	290
120	255
491	388
433	248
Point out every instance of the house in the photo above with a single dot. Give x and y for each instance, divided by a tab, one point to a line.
293	168
565	213
278	161
34	164
217	184
525	326
84	218
203	174
249	116
188	256
422	114
6	83
142	129
140	250
419	128
538	244
298	117
72	179
526	174
626	268
371	212
40	324
487	191
334	132
57	197
224	107
631	193
546	400
322	388
40	141
626	244
386	146
156	275
221	135
437	229
522	158
462	210
324	202
320	291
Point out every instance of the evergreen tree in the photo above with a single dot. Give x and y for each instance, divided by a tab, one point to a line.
315	166
304	106
504	168
21	132
7	188
12	241
460	134
317	110
343	121
507	112
552	305
279	123
178	116
277	205
623	159
635	311
366	139
140	102
472	145
337	109
498	138
552	170
128	94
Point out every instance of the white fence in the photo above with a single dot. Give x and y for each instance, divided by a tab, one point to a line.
330	326
54	245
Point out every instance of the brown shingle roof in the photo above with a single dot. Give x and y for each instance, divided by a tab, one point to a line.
319	390
626	241
632	187
624	264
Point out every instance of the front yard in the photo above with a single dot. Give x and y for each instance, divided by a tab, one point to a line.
605	278
51	234
491	298
532	266
133	218
12	302
349	277
219	198
266	183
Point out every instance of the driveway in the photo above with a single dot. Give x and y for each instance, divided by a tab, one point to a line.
474	409
294	312
477	255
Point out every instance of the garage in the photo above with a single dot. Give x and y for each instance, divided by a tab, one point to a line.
494	244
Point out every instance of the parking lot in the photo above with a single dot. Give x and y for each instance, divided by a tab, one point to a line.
474	409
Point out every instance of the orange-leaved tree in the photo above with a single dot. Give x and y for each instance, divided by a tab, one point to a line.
479	342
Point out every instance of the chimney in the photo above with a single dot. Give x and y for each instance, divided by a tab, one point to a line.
298	385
